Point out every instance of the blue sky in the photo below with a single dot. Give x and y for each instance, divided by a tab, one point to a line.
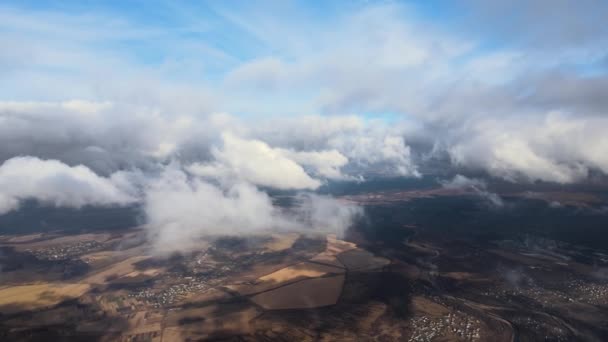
209	38
292	57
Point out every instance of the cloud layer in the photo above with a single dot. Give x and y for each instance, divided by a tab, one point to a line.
215	104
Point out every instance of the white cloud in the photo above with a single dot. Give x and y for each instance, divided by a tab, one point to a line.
372	145
555	147
255	162
326	164
109	136
181	209
55	183
372	149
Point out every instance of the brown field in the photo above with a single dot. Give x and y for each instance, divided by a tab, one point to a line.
106	258
120	269
208	295
375	310
305	294
37	318
359	259
424	306
101	259
202	323
112	303
62	240
141	323
30	297
259	270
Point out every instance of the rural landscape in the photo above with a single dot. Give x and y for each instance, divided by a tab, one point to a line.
392	277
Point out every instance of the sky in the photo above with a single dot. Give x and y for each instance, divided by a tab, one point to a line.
116	102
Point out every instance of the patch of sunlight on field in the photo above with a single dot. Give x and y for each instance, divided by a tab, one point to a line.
29	297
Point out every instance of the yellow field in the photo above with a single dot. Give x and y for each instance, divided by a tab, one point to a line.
29	297
327	258
336	246
298	271
286	275
333	248
281	242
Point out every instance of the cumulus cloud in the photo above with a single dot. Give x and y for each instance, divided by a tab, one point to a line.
372	151
107	137
370	146
181	209
255	162
55	183
555	148
326	164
